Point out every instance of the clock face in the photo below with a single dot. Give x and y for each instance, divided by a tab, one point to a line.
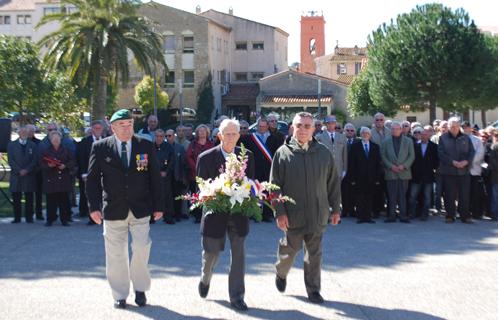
312	46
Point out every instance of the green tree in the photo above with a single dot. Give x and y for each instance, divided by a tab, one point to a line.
26	88
144	95
92	45
359	99
430	57
205	100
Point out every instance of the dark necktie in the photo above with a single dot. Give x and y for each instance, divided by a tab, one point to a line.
124	155
366	149
332	137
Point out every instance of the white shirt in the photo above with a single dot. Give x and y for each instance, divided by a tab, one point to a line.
226	154
475	167
128	148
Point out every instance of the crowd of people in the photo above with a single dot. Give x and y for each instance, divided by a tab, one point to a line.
398	169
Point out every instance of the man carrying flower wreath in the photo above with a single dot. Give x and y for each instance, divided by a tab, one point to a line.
215	225
304	170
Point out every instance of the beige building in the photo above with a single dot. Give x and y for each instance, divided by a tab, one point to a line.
343	65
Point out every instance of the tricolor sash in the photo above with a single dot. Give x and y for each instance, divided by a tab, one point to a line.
261	146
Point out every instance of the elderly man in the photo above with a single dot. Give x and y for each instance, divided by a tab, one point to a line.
180	176
456	153
215	226
397	156
244	128
165	155
365	173
380	131
347	192
39	179
305	171
337	144
83	156
477	199
180	137
152	125
124	183
423	171
23	162
273	128
318	127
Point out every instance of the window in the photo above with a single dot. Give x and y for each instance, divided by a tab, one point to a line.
188	79
240	45
341	68
240	76
218	44
188	44
51	10
169	44
23	19
357	67
257	75
4	19
258	46
170	79
27	19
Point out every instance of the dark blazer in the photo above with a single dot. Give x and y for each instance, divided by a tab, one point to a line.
262	164
208	167
424	167
22	157
365	172
55	180
83	154
116	191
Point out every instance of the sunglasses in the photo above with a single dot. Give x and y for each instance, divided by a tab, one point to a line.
379	120
349	130
301	125
169	135
244	128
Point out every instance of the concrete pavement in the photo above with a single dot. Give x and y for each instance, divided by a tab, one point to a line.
422	270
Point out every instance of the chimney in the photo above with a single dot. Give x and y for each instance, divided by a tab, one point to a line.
356	50
230	11
336	49
198	9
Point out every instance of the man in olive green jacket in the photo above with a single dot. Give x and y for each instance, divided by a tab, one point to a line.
304	170
397	154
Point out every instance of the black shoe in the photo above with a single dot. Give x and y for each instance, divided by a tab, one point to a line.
48	224
90	223
39	218
29	221
467	221
391	220
424	218
239	305
203	289
267	219
178	219
280	283
404	220
450	220
315	297
120	304
140	298
152	221
16	221
184	216
361	221
65	224
197	220
169	220
370	221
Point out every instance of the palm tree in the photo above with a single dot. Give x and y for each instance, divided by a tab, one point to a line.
93	42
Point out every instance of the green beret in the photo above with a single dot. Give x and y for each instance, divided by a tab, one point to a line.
123	114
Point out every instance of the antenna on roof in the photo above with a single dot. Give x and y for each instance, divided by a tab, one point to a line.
198	9
230	11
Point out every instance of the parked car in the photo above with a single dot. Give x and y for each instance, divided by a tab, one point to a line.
188	114
282	127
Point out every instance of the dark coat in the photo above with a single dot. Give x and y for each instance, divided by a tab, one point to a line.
22	157
263	165
117	191
165	156
208	167
54	179
193	151
310	178
424	167
451	149
180	166
365	172
83	150
492	159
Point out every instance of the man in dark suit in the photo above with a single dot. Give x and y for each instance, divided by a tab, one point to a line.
124	183
365	170
39	179
215	226
165	154
423	170
83	156
347	190
263	145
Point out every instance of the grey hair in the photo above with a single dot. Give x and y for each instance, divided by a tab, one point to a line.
405	122
365	129
395	123
272	115
225	123
53	133
379	114
160	131
418	130
350	125
453	120
245	123
302	114
199	127
170	130
428	127
96	122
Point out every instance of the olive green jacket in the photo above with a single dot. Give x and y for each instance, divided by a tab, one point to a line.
310	178
406	156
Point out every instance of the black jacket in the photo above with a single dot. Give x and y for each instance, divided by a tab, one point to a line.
263	165
451	149
365	172
83	150
116	191
424	167
208	167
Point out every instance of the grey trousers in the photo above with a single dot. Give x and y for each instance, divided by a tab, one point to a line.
119	269
396	192
211	248
290	245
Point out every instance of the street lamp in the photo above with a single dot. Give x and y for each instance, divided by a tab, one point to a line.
155	91
319	98
180	89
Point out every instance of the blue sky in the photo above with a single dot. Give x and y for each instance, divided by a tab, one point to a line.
349	22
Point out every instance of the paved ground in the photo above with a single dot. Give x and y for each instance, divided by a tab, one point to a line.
384	271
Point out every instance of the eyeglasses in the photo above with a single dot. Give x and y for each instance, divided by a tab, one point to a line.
272	120
51	129
302	125
244	128
350	130
406	126
379	120
169	135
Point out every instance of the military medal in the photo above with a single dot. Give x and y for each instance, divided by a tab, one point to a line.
142	162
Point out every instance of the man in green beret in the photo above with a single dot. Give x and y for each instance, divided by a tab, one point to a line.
124	189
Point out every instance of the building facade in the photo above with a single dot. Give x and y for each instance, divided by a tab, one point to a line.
312	41
343	65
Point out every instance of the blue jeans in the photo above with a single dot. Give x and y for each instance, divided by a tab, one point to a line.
415	190
494	200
